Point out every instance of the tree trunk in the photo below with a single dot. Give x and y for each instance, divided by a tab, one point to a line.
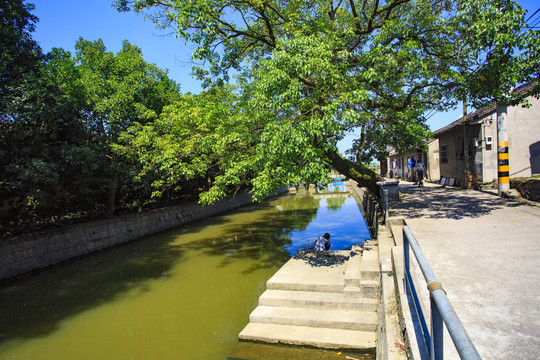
360	173
111	196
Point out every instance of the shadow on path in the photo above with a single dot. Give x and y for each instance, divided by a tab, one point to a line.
445	203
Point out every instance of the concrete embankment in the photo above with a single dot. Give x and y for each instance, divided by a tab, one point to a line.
38	250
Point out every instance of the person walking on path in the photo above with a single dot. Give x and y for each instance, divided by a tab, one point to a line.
323	243
420	169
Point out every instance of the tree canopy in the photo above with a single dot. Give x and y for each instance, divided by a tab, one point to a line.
314	70
59	152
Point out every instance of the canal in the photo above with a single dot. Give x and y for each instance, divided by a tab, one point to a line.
182	294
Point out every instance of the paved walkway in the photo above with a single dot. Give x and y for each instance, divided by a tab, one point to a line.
486	253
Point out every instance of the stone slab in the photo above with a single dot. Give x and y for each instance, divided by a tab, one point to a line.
370	262
325	318
257	351
353	273
312	271
316	300
311	336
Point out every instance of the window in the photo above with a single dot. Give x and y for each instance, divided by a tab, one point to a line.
444	153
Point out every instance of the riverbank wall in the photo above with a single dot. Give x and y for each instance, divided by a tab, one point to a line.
30	252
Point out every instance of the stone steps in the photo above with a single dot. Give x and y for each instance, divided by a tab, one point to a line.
325	318
370	263
321	299
299	286
354	267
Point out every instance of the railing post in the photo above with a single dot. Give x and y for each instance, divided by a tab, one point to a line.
406	258
436	348
365	202
374	213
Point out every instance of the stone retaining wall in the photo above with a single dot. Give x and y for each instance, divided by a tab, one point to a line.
357	190
528	188
34	251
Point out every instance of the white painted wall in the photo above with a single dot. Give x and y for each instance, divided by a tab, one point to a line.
524	139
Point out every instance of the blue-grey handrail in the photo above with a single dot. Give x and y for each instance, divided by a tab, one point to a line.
441	309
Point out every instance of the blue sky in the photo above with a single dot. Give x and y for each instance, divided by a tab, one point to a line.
62	22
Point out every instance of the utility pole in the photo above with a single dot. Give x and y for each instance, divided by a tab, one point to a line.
503	159
465	146
503	164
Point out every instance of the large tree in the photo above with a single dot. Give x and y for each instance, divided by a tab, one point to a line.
317	69
59	152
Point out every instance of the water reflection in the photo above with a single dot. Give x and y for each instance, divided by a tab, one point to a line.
335	203
333	187
182	294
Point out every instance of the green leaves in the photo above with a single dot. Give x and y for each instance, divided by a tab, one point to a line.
201	143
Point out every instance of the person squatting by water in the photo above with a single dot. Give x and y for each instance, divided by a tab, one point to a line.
323	243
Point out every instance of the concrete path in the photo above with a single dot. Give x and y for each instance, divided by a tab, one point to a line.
486	253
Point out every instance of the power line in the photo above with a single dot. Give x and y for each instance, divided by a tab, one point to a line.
535	21
532	15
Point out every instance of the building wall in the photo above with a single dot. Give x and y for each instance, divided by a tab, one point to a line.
396	166
447	154
453	158
30	252
524	139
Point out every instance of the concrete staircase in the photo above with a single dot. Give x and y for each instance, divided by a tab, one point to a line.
321	299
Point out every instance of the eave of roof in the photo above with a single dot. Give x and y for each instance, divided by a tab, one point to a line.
480	113
472	117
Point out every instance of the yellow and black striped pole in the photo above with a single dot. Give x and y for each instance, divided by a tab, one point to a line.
503	159
503	164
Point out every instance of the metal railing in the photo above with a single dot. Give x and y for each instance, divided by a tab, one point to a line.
440	307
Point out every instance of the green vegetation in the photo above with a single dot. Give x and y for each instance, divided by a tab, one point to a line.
94	132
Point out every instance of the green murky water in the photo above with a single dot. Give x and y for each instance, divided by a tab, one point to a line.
183	294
